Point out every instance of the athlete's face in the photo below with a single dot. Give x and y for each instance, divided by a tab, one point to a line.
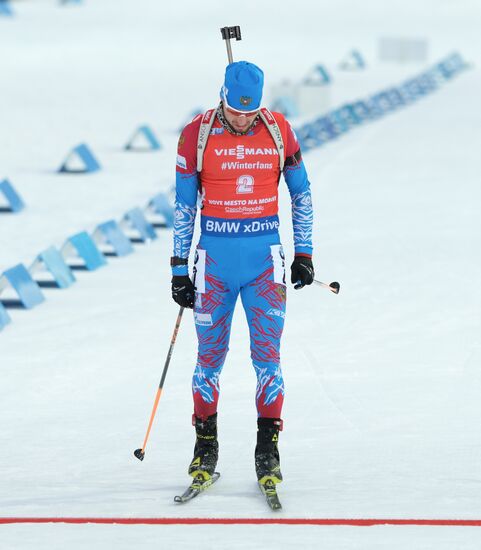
239	121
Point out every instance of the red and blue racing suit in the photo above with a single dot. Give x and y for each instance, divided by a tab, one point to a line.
239	251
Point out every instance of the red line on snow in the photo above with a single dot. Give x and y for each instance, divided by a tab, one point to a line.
245	521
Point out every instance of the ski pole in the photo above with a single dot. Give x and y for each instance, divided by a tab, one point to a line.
140	453
333	287
227	34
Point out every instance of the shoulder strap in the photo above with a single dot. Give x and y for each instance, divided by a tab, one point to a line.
204	131
271	124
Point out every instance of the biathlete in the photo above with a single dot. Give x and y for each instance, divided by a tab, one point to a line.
232	158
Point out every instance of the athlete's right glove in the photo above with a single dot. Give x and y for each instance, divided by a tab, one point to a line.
183	291
302	271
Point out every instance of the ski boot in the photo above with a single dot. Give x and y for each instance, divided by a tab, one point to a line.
206	450
267	459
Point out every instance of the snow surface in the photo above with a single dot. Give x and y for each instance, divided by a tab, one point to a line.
383	381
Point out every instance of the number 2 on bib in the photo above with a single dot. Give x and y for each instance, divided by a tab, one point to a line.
245	184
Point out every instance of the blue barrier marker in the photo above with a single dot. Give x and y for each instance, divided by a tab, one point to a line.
80	161
5	8
4	317
326	128
428	82
457	63
138	221
451	65
361	110
353	61
302	137
110	233
318	76
375	110
348	114
83	245
15	203
436	76
338	121
309	137
415	88
406	93
359	60
53	261
395	97
161	205
382	101
26	288
445	70
143	139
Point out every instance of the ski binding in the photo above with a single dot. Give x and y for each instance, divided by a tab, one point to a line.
268	487
199	484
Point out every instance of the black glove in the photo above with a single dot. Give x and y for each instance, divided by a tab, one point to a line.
183	291
302	272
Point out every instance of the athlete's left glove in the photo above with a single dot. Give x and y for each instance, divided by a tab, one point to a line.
302	271
183	291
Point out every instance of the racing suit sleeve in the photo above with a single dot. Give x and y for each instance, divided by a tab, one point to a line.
186	190
299	188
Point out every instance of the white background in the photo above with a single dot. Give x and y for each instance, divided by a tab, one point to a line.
383	383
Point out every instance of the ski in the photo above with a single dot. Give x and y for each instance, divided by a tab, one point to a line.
198	485
268	487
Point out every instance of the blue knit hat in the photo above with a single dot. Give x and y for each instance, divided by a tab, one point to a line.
242	89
